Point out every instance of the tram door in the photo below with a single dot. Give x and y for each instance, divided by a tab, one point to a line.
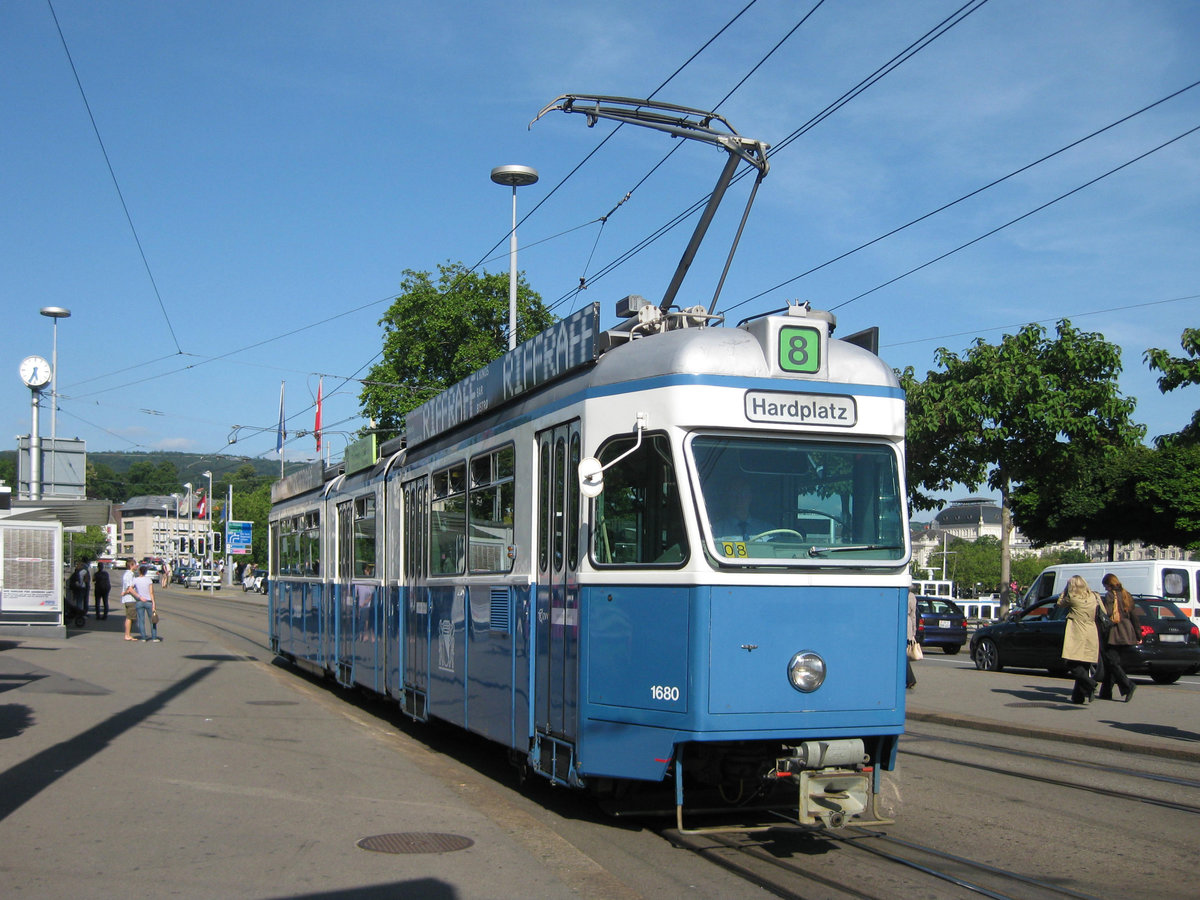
415	597
345	593
557	609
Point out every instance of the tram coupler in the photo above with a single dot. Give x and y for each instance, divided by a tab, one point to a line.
834	787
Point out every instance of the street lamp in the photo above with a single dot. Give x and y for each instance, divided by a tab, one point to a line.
208	554
191	546
175	533
55	313
516	176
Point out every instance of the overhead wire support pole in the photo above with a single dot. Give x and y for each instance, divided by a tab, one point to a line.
684	122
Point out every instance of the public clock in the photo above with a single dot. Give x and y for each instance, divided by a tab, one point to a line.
35	371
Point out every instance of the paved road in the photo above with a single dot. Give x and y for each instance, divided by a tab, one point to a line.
186	769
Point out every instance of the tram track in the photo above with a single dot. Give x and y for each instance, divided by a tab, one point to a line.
855	863
1099	768
769	865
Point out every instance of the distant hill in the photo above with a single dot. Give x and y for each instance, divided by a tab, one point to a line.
189	465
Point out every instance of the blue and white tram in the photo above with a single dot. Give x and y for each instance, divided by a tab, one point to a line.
669	554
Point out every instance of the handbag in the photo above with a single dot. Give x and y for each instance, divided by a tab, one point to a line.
1103	620
153	618
915	651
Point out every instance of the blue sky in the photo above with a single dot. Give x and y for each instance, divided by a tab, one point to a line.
284	162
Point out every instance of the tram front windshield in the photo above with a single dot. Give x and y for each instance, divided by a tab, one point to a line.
795	502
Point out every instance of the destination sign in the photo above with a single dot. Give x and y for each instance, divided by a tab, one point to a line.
566	345
801	409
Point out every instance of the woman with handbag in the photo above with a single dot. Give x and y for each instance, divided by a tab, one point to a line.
1126	631
1081	641
914	649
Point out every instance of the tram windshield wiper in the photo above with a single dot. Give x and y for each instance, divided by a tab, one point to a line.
852	548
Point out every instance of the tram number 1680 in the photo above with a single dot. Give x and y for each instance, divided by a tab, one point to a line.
664	692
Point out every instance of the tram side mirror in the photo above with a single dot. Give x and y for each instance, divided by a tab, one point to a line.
591	477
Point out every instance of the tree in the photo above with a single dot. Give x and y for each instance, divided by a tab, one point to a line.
434	335
1006	414
103	483
1179	372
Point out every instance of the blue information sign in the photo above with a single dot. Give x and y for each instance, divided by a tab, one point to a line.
238	537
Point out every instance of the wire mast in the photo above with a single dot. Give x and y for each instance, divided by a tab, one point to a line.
684	122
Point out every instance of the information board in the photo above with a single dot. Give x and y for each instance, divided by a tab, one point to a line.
239	537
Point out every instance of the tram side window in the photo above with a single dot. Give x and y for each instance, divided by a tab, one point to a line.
287	552
309	544
414	529
490	508
448	521
638	517
364	537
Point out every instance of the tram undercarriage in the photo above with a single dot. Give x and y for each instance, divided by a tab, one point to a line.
747	786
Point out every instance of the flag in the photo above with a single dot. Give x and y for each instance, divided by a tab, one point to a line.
282	432
317	427
202	506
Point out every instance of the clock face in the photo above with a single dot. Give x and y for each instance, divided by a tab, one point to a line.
35	371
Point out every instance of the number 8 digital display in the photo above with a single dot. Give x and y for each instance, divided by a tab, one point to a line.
800	349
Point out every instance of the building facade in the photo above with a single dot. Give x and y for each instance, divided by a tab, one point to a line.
159	527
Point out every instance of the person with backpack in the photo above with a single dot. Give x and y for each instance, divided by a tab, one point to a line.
102	585
81	583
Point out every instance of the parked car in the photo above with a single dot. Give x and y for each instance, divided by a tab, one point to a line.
1033	639
179	575
941	623
255	580
203	578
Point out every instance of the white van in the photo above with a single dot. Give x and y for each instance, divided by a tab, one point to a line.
935	587
982	611
1173	579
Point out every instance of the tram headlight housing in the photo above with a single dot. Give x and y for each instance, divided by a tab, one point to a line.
806	671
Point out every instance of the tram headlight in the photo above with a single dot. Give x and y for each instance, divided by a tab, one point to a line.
806	671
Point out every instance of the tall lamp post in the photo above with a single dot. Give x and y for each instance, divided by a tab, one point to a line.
55	313
208	511
191	547
516	176
175	533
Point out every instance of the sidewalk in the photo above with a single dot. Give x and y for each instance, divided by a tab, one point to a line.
1162	720
179	769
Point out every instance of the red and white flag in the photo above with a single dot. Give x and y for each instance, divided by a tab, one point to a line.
202	506
317	427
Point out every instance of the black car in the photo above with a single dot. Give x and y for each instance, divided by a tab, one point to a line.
1032	639
941	623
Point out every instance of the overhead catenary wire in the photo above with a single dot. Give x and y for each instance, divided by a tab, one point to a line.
967	196
1019	218
112	174
913	48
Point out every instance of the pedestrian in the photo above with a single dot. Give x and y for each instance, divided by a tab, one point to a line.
1081	641
102	584
129	597
910	678
1125	632
143	586
81	583
165	574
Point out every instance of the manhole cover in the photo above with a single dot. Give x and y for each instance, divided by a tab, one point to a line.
415	842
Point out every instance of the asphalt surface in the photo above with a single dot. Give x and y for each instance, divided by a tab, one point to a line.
181	769
1161	720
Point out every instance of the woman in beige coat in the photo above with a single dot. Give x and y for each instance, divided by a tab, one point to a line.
1081	642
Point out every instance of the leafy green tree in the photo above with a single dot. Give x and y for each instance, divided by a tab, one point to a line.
1004	414
145	477
255	507
1178	371
103	483
437	333
8	470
